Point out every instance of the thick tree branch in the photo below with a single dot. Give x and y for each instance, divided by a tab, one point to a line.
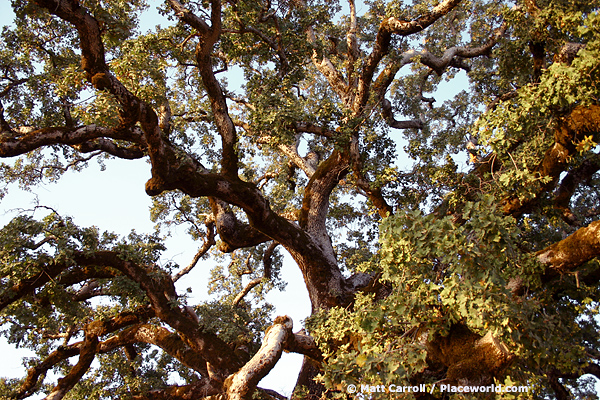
203	54
304	344
34	373
439	64
242	384
168	341
233	233
389	27
34	139
325	66
582	121
110	147
565	256
160	290
571	252
309	127
95	328
28	285
386	112
87	353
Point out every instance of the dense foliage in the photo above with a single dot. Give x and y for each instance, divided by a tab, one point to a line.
442	241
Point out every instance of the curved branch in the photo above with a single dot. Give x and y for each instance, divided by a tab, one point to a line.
95	329
386	111
160	290
28	285
381	46
34	373
309	127
304	344
565	256
571	252
233	233
326	67
208	243
34	139
242	384
110	147
87	353
168	341
267	261
581	121
449	58
222	119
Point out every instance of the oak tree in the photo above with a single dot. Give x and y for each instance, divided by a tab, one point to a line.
473	261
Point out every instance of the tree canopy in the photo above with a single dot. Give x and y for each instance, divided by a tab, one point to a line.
441	241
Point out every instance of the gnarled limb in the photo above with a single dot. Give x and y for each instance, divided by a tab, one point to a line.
169	341
471	359
95	328
242	384
566	255
389	27
580	122
37	138
87	353
386	112
233	233
571	252
439	64
160	290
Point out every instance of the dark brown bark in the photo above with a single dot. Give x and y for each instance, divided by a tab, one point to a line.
160	290
571	182
87	353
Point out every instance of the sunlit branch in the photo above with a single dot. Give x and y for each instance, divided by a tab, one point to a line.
352	44
244	382
581	121
87	353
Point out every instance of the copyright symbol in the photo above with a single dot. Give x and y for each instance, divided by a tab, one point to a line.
351	389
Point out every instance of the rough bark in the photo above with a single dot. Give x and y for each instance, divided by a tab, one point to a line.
470	359
242	384
580	122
